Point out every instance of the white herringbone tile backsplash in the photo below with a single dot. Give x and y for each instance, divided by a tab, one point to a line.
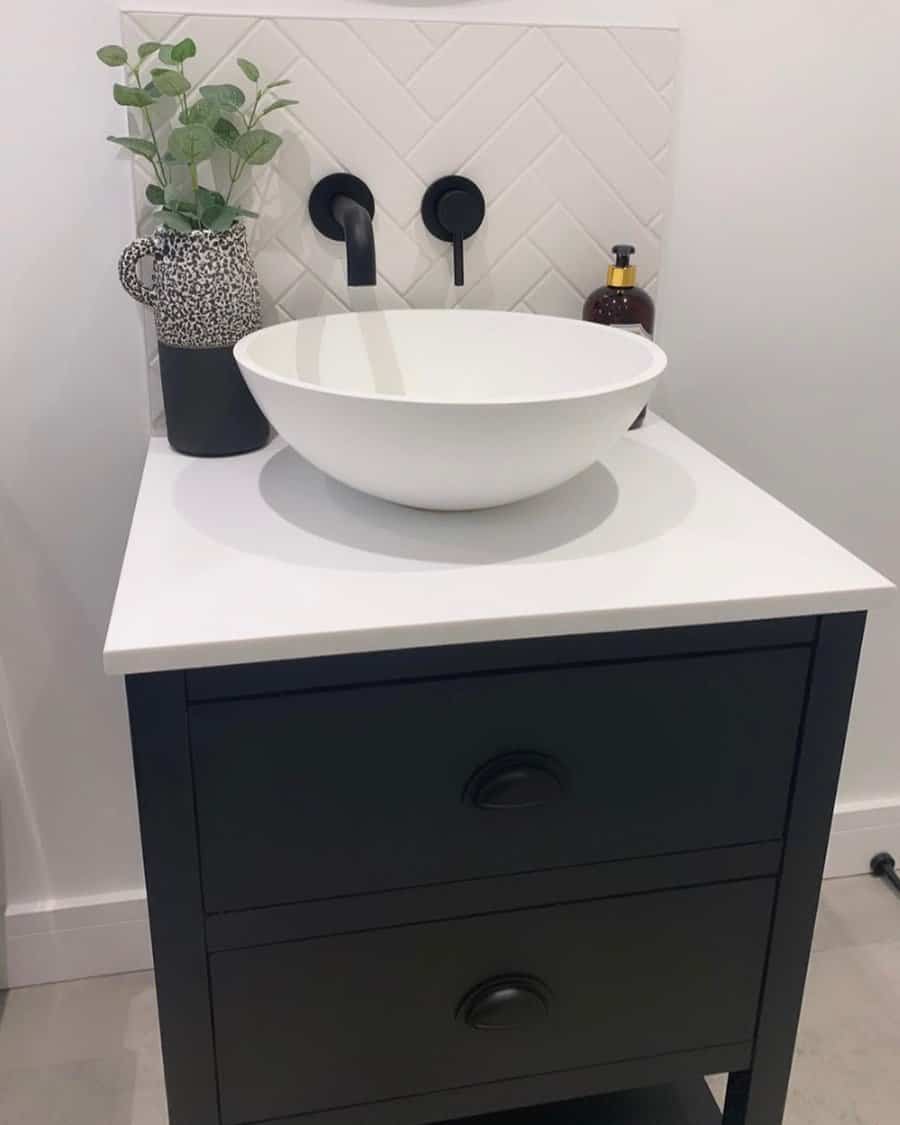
566	130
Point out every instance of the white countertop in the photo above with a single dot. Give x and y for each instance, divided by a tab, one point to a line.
261	557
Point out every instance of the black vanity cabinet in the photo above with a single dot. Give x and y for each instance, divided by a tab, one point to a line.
560	879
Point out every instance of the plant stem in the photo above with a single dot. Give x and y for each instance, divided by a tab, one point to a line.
160	171
248	125
255	107
235	176
184	105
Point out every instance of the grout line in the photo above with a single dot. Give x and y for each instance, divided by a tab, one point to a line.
358	113
473	90
640	69
563	63
538	156
340	163
436	49
365	122
223	58
540	280
403	85
623	128
484	74
391	76
640	73
510	187
600	175
486	276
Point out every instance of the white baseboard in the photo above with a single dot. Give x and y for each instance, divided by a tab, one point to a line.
78	937
102	934
858	832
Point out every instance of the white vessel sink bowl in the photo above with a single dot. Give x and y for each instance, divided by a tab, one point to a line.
449	409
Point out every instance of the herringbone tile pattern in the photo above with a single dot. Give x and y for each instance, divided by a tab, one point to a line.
566	130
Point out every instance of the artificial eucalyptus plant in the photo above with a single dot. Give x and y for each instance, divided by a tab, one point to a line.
218	118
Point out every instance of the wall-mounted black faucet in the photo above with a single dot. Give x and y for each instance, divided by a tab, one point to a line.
453	210
342	208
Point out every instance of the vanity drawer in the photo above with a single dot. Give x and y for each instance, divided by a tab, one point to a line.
365	789
391	1013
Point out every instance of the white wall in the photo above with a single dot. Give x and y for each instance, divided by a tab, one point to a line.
72	436
782	284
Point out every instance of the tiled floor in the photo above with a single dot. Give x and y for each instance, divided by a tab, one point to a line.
87	1052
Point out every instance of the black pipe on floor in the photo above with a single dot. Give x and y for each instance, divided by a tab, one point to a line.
885	867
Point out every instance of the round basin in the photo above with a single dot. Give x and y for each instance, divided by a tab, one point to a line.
449	409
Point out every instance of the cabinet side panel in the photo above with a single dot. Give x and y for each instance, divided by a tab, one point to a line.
162	763
757	1096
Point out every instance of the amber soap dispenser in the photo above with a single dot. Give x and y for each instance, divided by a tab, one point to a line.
622	303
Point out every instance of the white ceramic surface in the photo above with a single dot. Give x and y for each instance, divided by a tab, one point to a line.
239	559
449	410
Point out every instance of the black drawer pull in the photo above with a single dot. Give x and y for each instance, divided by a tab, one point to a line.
506	1003
516	781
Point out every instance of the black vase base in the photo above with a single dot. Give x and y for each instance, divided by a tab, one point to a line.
209	410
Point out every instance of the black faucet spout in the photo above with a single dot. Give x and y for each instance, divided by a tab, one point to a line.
356	223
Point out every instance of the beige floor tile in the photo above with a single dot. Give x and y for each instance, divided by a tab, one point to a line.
81	1019
857	911
84	1092
847	1066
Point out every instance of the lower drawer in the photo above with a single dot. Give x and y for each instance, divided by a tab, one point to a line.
362	1017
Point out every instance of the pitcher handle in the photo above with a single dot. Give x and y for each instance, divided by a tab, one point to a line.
128	270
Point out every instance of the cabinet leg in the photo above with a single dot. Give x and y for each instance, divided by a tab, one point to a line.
735	1112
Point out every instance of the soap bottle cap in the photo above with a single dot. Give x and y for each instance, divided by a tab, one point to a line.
622	275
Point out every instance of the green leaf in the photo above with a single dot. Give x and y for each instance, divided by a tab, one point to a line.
171	202
226	133
165	54
113	55
186	49
279	103
225	95
175	221
132	96
170	82
202	112
151	89
190	144
219	217
280	82
136	145
154	194
207	198
258	146
146	49
251	70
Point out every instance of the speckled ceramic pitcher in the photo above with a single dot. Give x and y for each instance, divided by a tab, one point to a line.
204	290
204	293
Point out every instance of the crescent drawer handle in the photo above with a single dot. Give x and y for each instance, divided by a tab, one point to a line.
521	780
506	1003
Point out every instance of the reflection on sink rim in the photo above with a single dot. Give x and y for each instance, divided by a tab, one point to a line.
656	357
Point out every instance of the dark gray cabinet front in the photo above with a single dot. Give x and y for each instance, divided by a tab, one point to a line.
364	789
545	870
354	1018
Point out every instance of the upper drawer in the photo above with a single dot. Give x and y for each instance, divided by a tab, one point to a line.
354	1018
365	789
